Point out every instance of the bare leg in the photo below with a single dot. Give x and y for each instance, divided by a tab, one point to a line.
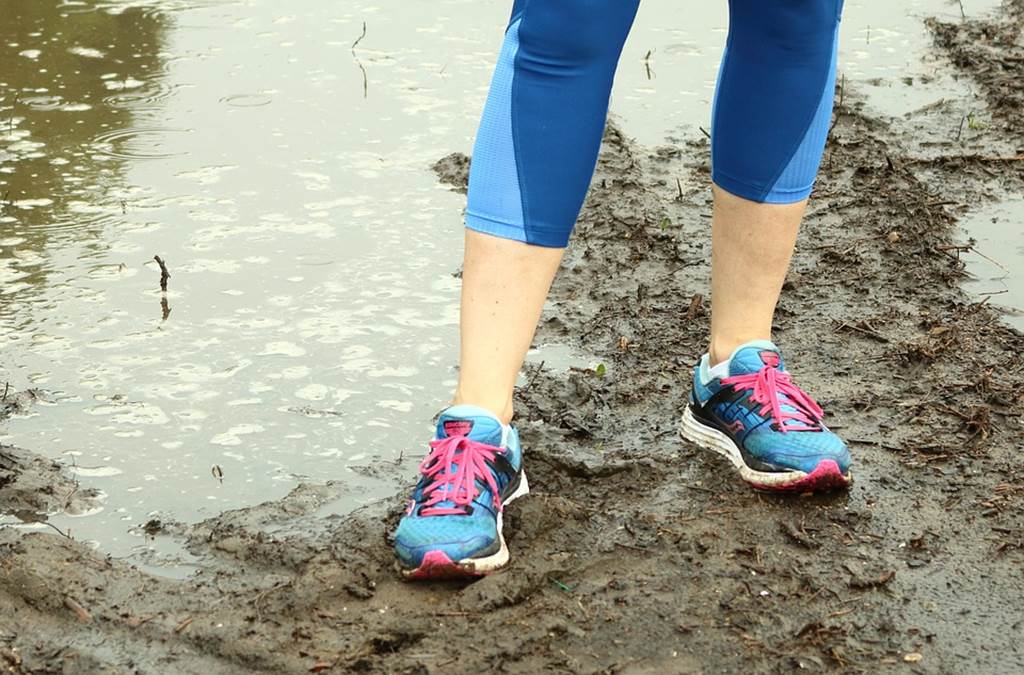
751	246
504	285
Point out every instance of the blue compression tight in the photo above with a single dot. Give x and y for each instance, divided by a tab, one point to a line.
542	124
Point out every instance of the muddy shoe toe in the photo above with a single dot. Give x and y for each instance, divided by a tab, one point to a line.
769	428
453	522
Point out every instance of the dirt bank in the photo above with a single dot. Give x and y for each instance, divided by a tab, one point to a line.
31	485
636	552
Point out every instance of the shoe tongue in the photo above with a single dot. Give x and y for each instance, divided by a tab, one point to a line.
470	421
753	356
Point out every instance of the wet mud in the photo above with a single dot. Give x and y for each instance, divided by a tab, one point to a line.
636	552
31	485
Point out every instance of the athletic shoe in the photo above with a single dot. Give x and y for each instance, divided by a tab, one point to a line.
764	424
452	526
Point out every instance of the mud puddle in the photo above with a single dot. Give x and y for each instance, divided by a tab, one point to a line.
636	552
278	166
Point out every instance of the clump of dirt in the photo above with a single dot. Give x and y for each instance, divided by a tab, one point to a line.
32	486
636	552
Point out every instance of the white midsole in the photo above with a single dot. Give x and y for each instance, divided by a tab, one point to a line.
499	559
715	440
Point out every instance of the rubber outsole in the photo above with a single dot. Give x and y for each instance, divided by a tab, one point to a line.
825	477
437	564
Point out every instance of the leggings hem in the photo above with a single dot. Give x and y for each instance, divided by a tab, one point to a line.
759	194
485	225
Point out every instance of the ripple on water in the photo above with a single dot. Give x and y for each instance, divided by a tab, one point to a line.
247	100
128	143
138	95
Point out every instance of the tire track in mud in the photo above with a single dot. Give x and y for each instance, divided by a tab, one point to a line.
636	552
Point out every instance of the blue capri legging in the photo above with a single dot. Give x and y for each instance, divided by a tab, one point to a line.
542	125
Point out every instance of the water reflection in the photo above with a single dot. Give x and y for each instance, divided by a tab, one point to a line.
60	64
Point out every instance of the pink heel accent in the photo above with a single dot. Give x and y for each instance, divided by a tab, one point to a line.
826	476
437	565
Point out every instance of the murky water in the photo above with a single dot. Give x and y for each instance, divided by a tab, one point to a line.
282	173
996	259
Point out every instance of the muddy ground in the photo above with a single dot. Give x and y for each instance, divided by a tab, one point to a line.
636	552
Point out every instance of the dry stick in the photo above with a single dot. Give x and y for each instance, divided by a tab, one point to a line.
529	385
998	264
366	85
14	104
359	39
164	274
62	533
969	248
265	593
7	388
81	612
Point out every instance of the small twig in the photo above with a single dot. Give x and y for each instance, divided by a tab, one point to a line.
265	593
366	84
991	260
61	532
81	612
14	104
164	274
967	248
1017	158
359	39
183	625
865	328
679	184
695	302
529	385
7	388
704	131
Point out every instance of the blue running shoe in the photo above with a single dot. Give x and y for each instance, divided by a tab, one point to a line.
452	526
764	424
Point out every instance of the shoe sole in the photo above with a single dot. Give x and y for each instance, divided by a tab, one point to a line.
825	477
437	564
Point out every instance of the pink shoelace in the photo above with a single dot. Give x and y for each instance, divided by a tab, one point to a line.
767	384
457	485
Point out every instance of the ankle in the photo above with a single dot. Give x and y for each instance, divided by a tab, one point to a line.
501	409
721	349
719	352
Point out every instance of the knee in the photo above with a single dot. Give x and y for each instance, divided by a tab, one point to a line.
791	24
575	32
